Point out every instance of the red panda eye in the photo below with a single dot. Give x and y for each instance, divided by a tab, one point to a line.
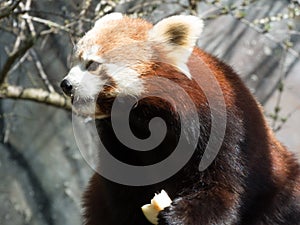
92	65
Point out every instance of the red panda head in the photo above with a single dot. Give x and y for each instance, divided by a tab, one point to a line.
114	57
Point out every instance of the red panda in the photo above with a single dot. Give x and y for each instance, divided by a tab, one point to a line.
253	180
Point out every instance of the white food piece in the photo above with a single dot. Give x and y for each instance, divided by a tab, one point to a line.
150	213
158	203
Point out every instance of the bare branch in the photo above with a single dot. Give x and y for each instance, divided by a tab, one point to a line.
30	24
42	73
225	10
24	46
36	95
85	5
283	45
49	23
6	11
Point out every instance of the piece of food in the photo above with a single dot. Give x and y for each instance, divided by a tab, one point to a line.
158	203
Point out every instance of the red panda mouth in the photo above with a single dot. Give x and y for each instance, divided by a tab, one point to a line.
98	108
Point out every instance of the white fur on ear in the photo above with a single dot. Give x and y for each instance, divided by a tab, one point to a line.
108	17
178	34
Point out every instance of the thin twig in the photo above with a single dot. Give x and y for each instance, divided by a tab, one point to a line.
7	11
277	107
42	73
49	23
19	62
24	46
36	60
225	11
43	12
270	37
289	115
29	21
85	6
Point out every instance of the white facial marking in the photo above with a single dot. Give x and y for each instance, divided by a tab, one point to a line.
128	80
91	54
75	75
86	85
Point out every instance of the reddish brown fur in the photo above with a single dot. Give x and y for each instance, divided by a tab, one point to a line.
254	180
118	34
232	182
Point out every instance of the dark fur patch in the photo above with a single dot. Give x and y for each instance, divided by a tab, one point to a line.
92	66
178	34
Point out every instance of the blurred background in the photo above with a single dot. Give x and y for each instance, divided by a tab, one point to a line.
42	173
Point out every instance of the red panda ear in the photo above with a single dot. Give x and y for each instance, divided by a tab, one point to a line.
108	17
178	35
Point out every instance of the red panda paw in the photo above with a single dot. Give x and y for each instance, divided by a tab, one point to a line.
205	208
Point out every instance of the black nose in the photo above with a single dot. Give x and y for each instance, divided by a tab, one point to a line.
66	86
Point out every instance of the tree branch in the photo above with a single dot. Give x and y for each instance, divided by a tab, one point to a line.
226	10
42	73
27	44
36	95
6	11
49	23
